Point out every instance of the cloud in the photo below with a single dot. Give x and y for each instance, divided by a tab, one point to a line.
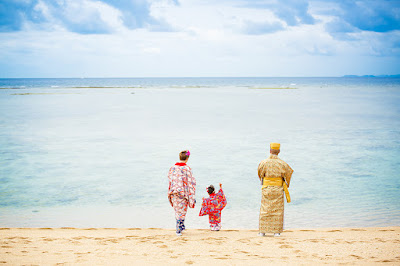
293	12
59	38
257	28
376	16
350	16
80	16
14	12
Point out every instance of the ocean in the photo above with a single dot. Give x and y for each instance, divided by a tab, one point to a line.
96	152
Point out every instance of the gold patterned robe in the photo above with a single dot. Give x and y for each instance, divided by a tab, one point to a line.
272	205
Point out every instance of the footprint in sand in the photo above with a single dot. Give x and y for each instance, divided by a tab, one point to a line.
357	230
163	246
356	256
189	262
332	231
285	246
307	230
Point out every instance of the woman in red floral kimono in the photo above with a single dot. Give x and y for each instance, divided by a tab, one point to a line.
181	190
213	206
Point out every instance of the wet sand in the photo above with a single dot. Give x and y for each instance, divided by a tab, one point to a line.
111	246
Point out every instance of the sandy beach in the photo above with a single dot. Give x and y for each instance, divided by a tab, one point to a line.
111	246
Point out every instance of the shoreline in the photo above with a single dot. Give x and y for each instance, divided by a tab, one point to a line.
156	246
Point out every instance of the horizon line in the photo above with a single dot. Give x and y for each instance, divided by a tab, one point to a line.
166	77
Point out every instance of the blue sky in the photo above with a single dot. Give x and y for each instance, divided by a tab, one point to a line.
161	38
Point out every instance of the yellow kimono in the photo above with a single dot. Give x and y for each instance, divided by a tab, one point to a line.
275	175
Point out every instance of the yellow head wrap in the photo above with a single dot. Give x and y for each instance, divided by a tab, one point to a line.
275	146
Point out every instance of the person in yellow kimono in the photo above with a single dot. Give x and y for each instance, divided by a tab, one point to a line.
275	175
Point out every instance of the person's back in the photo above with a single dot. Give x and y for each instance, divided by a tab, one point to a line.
275	175
212	206
274	167
178	180
181	190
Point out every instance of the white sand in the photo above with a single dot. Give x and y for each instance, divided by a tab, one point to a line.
67	246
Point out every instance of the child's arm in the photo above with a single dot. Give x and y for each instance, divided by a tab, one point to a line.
221	198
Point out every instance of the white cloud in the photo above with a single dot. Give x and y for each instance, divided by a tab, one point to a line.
209	39
151	50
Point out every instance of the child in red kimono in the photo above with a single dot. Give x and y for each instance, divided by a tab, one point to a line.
213	206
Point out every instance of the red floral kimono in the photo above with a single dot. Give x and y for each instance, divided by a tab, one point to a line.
181	192
213	206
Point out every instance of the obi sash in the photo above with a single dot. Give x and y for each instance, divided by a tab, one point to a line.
277	182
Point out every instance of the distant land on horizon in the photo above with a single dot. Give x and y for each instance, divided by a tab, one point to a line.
372	76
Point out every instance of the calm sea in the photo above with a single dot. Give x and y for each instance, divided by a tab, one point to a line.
96	152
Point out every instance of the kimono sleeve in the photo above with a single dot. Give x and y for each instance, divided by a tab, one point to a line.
205	207
288	174
221	199
191	183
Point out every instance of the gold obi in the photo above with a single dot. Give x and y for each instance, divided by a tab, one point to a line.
277	182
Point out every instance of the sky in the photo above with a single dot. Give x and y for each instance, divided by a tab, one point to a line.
198	38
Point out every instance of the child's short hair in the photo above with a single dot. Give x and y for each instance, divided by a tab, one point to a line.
210	189
183	155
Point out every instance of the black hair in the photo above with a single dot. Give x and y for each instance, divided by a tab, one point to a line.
210	189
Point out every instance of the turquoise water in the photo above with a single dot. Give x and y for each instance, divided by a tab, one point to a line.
96	152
